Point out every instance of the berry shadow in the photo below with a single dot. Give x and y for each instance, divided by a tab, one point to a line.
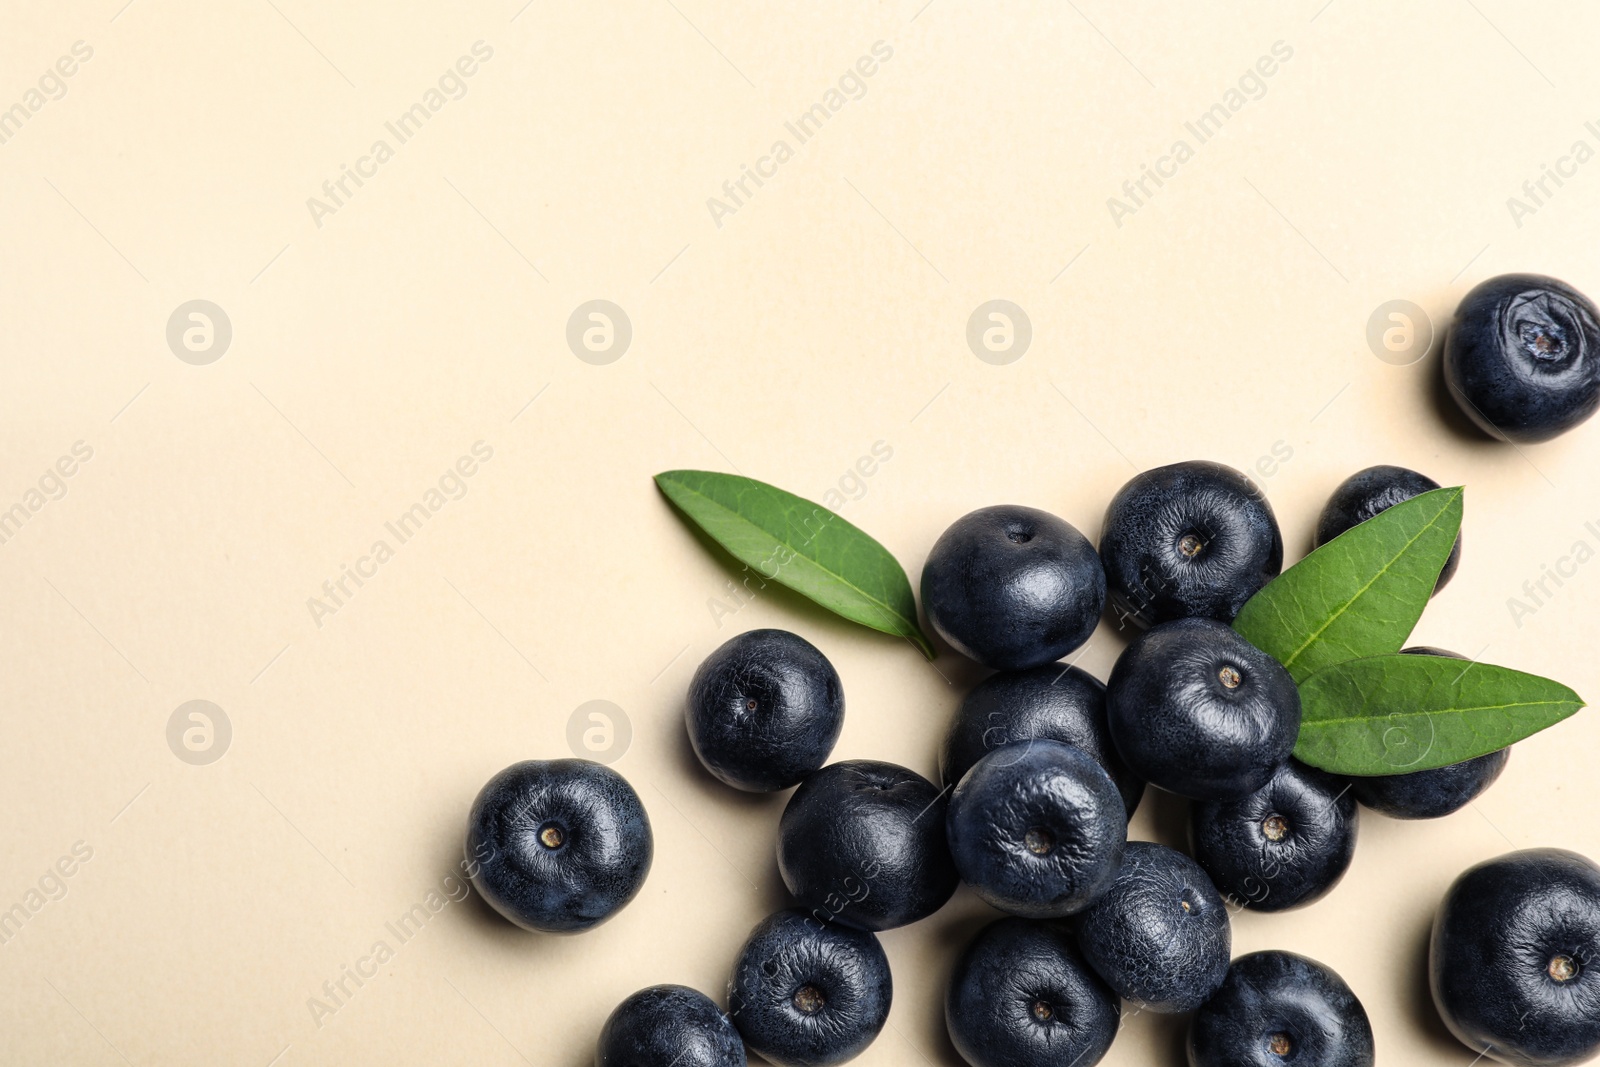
1417	994
1163	818
959	673
1436	394
775	895
767	808
1171	1031
1113	636
951	930
480	917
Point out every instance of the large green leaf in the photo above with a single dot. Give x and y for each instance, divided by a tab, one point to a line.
1395	714
1361	593
791	541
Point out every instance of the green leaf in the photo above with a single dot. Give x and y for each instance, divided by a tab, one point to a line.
1361	593
1396	714
802	545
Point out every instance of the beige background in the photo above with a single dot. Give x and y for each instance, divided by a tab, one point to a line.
1226	318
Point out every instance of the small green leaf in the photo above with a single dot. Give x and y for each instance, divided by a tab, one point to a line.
802	545
1361	593
1396	714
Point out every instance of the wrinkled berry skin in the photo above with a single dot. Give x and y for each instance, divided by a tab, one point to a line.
1037	830
1053	703
1367	492
1280	999
558	845
1201	712
798	712
804	994
1434	793
1022	996
1190	540
1160	935
1013	587
669	1026
863	842
1515	958
1281	847
1523	357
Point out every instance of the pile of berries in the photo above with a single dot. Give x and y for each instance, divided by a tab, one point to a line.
1042	768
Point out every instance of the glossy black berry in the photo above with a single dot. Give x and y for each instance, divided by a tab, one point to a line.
1054	703
669	1026
1433	793
1430	794
1160	935
558	845
1515	958
1367	492
1375	490
1523	357
1201	712
1013	587
764	710
1190	540
1277	1009
1022	996
1283	846
808	994
863	842
1037	829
